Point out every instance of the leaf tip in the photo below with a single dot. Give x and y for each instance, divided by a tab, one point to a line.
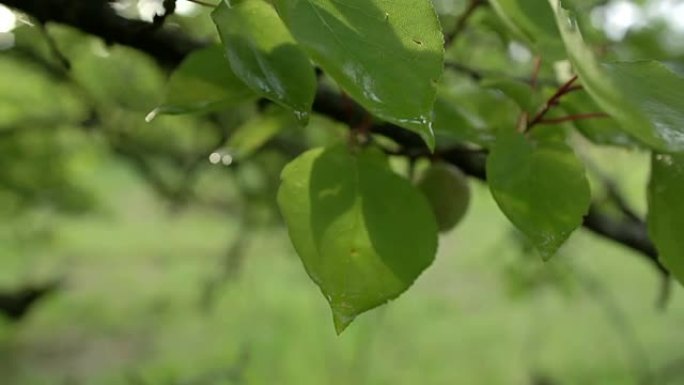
341	321
547	251
302	117
427	133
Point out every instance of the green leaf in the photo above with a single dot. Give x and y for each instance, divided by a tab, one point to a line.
203	82
387	55
264	55
521	93
252	135
658	94
666	211
603	131
452	123
646	98
531	21
363	233
540	186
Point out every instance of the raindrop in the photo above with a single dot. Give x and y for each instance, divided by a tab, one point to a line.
302	117
215	158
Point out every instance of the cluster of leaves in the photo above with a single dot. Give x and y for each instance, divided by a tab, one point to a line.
365	233
364	227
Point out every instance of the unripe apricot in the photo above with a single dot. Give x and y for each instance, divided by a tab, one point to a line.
448	192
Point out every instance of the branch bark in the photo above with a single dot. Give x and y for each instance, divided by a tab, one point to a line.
169	47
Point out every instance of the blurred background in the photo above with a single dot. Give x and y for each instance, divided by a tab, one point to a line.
142	253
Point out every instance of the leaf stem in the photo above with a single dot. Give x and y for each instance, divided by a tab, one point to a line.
553	101
534	80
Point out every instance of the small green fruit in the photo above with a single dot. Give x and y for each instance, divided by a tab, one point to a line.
447	190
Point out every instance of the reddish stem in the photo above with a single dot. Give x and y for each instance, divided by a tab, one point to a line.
534	80
553	101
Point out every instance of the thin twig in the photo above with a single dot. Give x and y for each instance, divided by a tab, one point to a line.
553	101
462	21
53	47
534	80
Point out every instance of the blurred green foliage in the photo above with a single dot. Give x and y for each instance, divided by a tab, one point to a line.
175	273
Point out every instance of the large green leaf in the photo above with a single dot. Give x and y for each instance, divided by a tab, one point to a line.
533	22
646	98
666	211
386	54
363	233
203	82
541	186
264	55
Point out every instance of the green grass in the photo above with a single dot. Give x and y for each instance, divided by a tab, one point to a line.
131	312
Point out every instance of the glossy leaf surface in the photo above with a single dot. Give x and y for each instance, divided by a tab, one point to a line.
264	55
363	233
540	186
386	54
646	98
666	211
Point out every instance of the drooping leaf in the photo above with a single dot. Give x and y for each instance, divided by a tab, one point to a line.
387	55
203	82
363	233
666	211
531	21
540	186
646	98
264	55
